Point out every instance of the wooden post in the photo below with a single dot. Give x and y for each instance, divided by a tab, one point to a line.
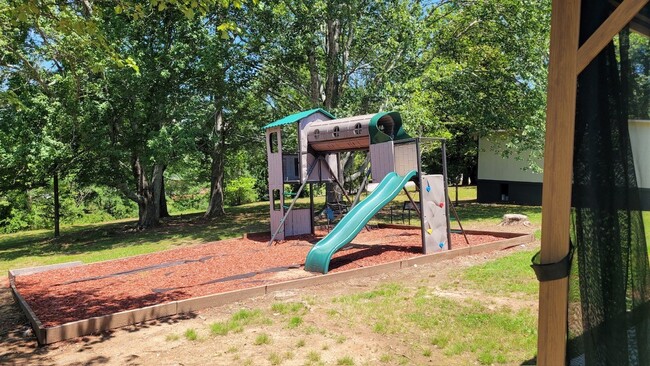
558	168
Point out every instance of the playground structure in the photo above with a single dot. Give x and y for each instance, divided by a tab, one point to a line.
394	159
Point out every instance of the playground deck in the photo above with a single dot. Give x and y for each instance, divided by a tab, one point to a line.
59	296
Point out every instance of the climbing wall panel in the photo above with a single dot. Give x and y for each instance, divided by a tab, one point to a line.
435	222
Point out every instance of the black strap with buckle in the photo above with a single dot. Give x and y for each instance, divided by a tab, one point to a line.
552	271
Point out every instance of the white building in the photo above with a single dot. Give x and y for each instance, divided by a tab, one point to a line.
505	179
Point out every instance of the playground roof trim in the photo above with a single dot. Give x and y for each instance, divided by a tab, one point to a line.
297	117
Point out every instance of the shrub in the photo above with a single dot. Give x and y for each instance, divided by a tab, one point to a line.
240	191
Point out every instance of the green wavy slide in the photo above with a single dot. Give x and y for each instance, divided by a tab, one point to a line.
318	259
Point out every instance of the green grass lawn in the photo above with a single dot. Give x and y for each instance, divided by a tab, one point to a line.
103	241
646	224
507	275
465	193
464	328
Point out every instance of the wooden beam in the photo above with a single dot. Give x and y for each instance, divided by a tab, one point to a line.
623	14
558	167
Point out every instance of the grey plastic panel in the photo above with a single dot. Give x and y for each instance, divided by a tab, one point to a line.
435	213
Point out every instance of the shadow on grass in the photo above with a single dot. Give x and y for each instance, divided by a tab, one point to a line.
186	229
177	230
467	211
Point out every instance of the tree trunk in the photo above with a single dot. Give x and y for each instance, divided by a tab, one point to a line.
465	180
57	206
163	198
148	194
157	189
347	162
147	213
314	78
472	173
332	64
215	207
216	204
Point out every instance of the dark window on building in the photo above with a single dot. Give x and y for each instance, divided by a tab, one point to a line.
505	192
276	200
357	129
336	132
316	134
273	142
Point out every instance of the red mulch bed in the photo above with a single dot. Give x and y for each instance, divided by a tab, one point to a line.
70	294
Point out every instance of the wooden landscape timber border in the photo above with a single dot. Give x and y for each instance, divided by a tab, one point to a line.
48	335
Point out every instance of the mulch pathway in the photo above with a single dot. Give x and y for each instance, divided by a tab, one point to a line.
70	294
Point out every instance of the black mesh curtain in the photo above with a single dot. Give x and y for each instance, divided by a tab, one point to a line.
609	295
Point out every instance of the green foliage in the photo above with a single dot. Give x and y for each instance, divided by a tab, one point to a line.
34	208
107	93
639	59
191	334
484	71
646	224
262	339
288	307
185	195
295	321
172	337
240	191
313	356
237	322
345	361
275	359
300	343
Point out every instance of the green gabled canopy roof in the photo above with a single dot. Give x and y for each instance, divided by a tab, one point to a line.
297	117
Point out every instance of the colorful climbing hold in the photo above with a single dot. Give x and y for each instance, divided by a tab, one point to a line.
441	245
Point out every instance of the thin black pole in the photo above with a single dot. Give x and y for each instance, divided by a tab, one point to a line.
311	206
57	206
336	179
444	177
412	201
421	213
363	186
459	223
